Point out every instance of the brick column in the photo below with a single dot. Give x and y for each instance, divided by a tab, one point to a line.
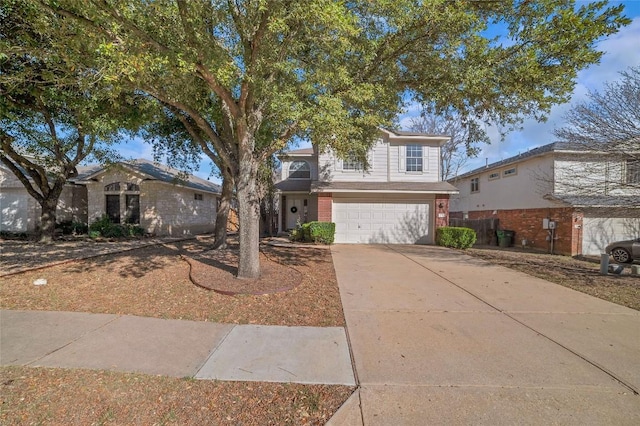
325	203
442	213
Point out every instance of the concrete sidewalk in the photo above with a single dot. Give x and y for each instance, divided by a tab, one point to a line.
175	348
443	338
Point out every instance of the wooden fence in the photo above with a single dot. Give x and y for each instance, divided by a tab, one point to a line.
485	229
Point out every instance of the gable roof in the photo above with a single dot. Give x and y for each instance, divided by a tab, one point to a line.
541	150
153	171
300	151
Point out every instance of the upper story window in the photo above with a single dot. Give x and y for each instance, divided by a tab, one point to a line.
299	170
115	186
510	172
197	197
352	163
494	175
414	158
633	171
475	184
132	187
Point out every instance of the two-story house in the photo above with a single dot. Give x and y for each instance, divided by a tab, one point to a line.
399	198
580	199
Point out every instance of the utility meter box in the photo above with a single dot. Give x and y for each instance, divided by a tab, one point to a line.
552	225
545	223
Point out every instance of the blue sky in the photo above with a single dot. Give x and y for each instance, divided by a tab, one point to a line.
622	50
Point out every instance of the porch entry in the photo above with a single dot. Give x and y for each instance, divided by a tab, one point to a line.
297	210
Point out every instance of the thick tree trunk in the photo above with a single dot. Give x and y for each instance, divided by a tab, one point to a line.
249	216
222	215
46	232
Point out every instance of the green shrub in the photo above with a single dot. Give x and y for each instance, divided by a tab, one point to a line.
455	237
306	231
69	227
316	232
105	228
322	232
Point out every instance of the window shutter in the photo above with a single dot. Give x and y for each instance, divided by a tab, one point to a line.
402	155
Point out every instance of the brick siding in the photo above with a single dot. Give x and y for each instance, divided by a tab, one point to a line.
527	224
325	203
442	213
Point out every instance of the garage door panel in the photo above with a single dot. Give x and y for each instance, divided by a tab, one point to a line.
382	222
13	212
598	232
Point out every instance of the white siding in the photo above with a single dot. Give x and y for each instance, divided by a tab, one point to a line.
591	177
523	190
331	170
431	164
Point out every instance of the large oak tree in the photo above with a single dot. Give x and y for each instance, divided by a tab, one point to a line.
55	111
334	71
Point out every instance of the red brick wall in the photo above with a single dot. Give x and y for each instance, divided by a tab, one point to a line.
527	224
442	199
325	202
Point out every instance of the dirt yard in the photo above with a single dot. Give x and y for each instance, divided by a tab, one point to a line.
580	275
154	281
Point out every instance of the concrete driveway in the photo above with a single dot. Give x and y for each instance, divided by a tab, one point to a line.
443	338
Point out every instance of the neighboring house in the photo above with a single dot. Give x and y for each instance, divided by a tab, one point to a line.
163	201
398	199
592	198
20	212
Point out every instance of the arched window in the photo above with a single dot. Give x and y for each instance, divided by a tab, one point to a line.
112	187
132	187
299	170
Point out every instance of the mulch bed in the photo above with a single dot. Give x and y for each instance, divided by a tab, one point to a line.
215	270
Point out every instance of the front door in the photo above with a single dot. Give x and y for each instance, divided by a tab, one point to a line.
296	211
113	208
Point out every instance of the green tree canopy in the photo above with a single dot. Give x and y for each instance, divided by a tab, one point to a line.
253	74
54	110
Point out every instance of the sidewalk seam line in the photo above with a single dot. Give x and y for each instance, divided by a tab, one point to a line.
83	335
214	350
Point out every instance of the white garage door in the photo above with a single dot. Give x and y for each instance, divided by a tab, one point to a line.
398	222
597	232
13	212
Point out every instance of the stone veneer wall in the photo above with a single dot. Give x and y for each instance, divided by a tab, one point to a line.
164	209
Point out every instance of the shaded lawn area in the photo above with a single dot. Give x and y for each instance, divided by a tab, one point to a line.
154	282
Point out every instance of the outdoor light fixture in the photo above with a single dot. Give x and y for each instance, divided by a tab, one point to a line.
440	205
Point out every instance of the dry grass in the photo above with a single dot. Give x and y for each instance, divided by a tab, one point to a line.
580	275
154	282
82	397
